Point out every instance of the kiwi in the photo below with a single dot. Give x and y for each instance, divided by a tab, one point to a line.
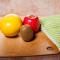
26	33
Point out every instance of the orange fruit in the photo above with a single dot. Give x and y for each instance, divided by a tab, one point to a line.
10	25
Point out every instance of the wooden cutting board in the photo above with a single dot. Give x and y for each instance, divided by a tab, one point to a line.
41	45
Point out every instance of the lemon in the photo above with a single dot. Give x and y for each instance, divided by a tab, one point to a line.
10	25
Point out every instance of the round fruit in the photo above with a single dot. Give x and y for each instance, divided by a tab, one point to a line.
26	33
33	21
10	25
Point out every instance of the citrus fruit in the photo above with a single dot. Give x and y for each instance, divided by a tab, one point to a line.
10	25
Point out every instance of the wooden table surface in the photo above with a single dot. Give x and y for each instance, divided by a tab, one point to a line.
27	7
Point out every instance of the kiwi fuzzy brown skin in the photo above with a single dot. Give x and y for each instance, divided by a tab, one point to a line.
26	33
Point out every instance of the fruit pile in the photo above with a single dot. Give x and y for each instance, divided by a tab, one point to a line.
12	24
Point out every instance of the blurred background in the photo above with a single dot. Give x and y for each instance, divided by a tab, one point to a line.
27	7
